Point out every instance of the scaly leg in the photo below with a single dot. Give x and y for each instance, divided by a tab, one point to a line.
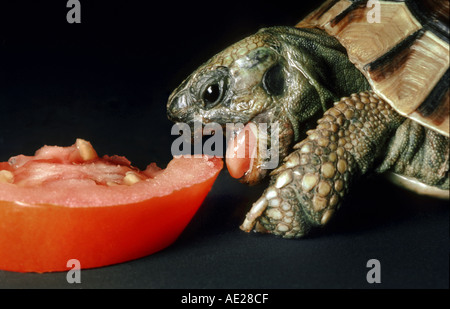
309	186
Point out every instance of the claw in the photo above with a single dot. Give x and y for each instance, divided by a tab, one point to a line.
255	212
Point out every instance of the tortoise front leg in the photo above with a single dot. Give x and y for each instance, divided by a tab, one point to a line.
309	186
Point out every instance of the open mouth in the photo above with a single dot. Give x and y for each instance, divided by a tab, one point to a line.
248	155
241	150
252	150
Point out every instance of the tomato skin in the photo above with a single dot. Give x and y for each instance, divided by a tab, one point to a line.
42	238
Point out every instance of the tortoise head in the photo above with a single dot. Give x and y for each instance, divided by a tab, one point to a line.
269	78
235	85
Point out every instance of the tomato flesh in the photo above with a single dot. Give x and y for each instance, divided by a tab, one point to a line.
59	207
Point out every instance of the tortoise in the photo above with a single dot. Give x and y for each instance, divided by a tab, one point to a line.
356	88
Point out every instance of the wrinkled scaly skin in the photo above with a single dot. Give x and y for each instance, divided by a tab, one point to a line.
294	76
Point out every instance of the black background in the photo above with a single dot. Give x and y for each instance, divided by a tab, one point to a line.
107	80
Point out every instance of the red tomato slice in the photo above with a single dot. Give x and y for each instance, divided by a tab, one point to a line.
67	203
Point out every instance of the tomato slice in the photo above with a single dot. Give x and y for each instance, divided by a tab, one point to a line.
67	203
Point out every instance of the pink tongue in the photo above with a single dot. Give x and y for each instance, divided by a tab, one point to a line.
241	150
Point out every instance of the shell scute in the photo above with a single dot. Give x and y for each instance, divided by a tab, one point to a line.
405	59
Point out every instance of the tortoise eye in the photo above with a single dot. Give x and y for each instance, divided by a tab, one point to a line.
212	94
213	87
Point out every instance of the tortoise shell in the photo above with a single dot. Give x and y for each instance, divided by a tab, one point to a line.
402	48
